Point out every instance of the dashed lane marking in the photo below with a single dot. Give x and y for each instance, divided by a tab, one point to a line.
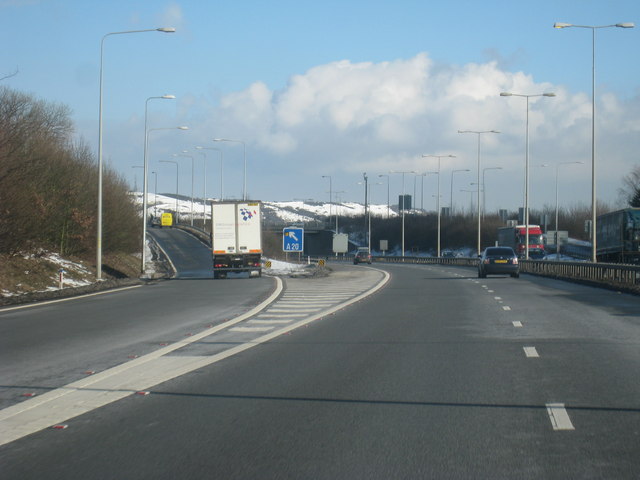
559	417
506	307
517	323
531	352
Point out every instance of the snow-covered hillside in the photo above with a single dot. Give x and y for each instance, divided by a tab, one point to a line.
289	212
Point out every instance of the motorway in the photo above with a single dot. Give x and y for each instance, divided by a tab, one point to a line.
395	371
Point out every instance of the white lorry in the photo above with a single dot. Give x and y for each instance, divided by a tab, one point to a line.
236	237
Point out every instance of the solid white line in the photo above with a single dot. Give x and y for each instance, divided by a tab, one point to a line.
36	413
251	329
517	323
559	417
48	302
531	352
268	322
279	309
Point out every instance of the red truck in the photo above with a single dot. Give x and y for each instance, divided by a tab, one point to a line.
515	237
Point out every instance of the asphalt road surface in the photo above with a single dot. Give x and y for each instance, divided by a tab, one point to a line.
435	375
190	257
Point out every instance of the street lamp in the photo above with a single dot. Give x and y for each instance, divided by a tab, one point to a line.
145	164
338	203
439	157
99	216
484	188
557	168
135	177
526	168
470	192
593	121
388	204
244	177
331	200
219	150
403	203
184	154
451	192
155	194
144	200
176	164
479	133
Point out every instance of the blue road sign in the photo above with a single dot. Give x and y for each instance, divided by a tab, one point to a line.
292	239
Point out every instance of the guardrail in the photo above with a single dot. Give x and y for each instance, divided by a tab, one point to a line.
605	274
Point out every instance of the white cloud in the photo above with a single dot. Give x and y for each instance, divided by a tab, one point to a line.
346	117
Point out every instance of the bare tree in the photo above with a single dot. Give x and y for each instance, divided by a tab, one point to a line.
10	75
630	190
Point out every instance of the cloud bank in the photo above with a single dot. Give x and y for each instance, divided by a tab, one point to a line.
345	118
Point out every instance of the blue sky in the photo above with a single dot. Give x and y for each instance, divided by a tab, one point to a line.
340	88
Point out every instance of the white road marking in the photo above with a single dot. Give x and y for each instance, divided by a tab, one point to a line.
142	373
251	329
497	298
490	291
282	315
48	302
517	323
559	417
531	352
268	322
506	307
279	309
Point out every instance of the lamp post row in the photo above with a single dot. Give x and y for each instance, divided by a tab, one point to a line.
557	25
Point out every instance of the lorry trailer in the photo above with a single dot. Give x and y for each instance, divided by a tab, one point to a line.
236	237
618	236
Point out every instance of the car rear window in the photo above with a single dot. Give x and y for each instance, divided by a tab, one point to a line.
503	252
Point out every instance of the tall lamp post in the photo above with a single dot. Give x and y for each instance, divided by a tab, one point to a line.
185	154
526	168
145	163
177	175
143	260
219	150
479	133
439	157
244	156
331	199
100	163
388	203
557	168
451	192
593	120
404	207
155	194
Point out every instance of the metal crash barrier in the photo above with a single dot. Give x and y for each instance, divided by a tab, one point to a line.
610	274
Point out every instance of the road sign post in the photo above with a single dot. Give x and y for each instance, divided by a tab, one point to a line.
293	239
